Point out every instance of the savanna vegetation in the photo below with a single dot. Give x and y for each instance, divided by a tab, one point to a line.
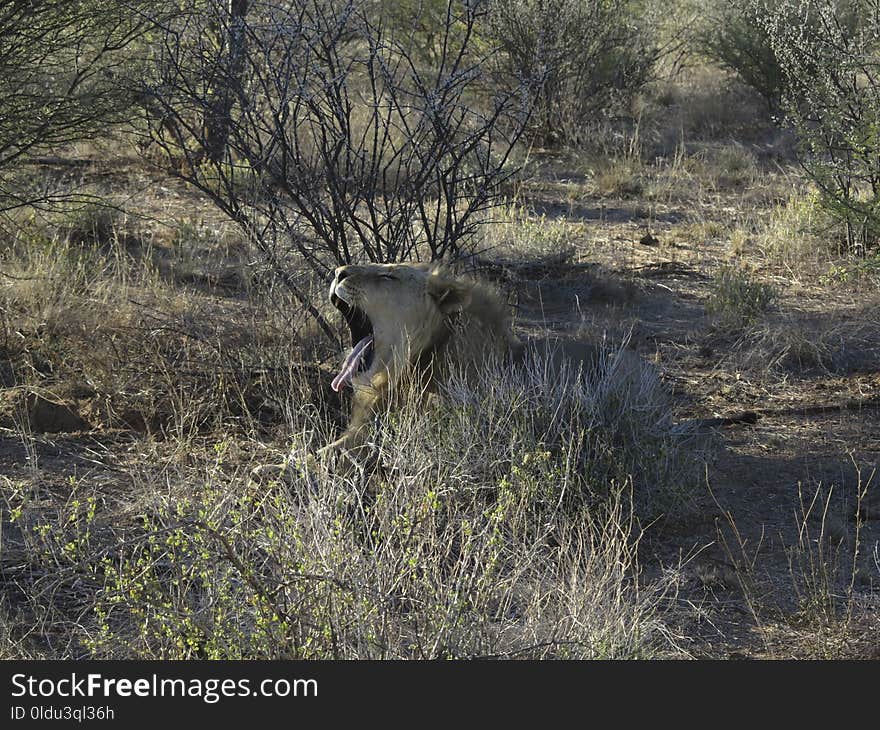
700	185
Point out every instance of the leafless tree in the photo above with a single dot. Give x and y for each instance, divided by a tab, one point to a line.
233	40
317	132
61	70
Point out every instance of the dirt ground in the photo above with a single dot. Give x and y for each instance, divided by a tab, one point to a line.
776	491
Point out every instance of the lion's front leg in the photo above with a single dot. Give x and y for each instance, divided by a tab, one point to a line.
367	399
349	449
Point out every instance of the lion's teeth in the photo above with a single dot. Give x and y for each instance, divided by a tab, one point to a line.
340	292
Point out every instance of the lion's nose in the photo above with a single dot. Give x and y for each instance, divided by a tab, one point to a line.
341	272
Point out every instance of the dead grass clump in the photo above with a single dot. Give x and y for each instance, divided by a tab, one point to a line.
828	609
593	424
207	257
734	166
800	343
515	232
619	177
737	299
800	237
790	346
92	225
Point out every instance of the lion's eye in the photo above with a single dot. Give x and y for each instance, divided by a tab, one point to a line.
390	277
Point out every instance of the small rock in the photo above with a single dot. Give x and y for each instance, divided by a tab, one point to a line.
81	390
46	416
649	240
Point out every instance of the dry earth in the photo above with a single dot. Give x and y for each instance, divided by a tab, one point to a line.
631	264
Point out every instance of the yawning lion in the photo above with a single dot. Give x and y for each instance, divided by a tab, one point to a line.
421	321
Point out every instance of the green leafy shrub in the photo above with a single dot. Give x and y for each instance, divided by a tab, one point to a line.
735	36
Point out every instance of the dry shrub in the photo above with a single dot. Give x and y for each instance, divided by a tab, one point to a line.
811	343
737	298
500	520
800	235
585	59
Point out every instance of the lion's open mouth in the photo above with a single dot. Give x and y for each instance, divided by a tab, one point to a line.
361	355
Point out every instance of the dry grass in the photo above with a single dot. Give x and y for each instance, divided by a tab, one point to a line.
737	298
514	535
798	342
825	607
534	514
510	536
799	237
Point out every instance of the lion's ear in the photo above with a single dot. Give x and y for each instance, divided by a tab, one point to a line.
449	294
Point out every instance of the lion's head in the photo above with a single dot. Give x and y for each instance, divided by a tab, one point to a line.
401	314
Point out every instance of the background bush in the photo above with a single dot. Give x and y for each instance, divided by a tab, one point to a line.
583	59
828	52
63	72
735	35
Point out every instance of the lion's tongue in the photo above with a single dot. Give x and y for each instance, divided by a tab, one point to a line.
350	366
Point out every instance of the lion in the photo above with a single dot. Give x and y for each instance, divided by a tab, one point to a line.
411	322
415	321
422	321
